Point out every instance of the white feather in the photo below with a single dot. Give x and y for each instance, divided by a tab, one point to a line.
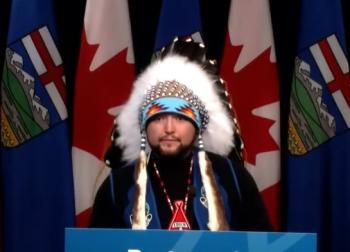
217	138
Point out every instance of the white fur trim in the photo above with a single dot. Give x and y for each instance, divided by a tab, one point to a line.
213	224
139	210
217	138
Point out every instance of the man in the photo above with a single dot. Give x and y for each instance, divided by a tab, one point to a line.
178	178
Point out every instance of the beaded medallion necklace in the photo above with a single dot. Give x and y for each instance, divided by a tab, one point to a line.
165	192
179	220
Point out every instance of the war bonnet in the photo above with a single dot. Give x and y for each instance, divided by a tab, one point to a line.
178	84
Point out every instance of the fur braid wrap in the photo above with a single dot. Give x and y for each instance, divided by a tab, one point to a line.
139	206
216	213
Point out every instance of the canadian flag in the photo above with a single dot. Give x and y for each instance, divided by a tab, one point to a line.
249	67
104	77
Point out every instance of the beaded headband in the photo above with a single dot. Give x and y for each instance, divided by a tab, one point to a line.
173	97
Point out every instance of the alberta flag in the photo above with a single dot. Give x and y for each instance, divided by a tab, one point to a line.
318	132
178	18
35	156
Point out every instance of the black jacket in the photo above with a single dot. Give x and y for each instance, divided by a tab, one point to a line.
243	200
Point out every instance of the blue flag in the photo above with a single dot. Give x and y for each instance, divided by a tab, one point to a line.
35	156
318	134
178	18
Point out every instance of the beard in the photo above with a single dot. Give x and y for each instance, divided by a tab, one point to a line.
181	150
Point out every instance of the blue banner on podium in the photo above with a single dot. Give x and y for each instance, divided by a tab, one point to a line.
120	240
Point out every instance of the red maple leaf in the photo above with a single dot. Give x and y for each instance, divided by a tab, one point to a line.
252	87
95	92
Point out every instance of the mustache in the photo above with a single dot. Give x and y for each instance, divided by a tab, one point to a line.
169	138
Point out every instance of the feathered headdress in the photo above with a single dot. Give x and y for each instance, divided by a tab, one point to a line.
180	77
173	67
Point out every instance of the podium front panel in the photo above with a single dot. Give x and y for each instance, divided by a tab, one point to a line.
115	240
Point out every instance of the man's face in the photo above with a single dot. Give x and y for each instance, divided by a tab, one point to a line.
170	134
